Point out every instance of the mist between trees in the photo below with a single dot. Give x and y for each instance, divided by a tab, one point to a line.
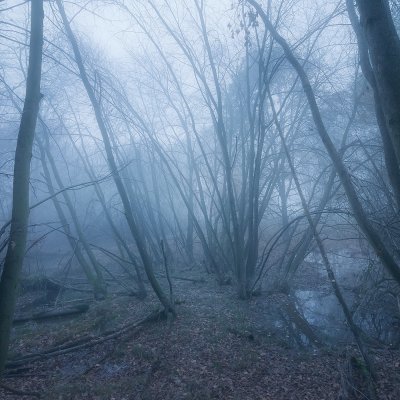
252	144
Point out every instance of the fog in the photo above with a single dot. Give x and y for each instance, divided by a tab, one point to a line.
208	181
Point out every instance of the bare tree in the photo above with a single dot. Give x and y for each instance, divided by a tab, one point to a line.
382	251
134	228
20	210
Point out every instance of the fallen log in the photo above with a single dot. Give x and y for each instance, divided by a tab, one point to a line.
50	314
82	342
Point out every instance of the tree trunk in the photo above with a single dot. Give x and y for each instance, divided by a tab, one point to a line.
368	229
99	286
120	241
391	160
20	209
384	53
75	245
134	228
335	286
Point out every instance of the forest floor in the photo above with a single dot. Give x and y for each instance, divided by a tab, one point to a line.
218	347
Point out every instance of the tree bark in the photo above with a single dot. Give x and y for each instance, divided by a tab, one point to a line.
20	209
384	53
391	160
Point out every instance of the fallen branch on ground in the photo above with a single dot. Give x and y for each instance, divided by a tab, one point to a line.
44	315
19	392
82	343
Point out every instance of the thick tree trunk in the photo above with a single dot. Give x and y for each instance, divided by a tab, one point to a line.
384	53
391	160
20	210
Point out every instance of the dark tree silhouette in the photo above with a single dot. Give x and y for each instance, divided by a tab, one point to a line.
20	209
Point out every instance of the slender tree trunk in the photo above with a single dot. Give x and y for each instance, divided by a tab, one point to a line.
368	229
121	243
20	210
75	246
134	228
190	225
298	256
335	286
100	289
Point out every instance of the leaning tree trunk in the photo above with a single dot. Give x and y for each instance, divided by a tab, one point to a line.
133	226
74	243
20	208
335	286
99	286
373	237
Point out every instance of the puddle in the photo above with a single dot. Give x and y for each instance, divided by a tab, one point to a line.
110	369
322	311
